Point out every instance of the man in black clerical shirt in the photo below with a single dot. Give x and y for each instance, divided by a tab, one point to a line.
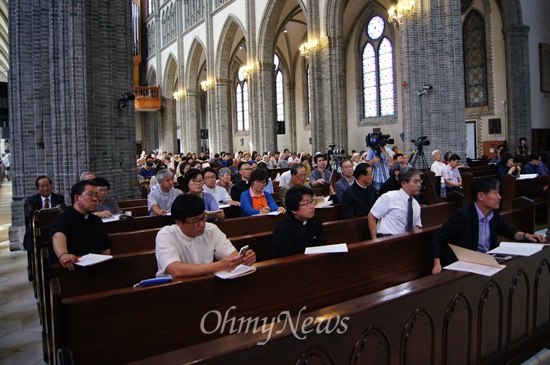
301	228
77	231
242	185
360	196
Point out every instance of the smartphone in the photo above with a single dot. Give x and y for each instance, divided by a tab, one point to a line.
243	250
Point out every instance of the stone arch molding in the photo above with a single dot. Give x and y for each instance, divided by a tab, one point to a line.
192	70
227	36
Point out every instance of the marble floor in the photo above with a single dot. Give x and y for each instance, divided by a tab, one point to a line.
20	330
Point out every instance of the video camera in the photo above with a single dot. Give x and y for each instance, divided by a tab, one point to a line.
334	156
420	142
376	140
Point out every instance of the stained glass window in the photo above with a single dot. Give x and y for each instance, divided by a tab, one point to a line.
475	62
378	72
308	96
279	90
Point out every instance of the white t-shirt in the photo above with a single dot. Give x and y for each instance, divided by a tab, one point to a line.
437	167
172	245
391	211
219	193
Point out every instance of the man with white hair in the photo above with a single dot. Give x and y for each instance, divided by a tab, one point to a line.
437	166
159	201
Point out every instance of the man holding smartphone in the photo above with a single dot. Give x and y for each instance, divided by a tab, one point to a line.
189	247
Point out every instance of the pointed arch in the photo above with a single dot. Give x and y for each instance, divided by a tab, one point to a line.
170	75
152	76
197	55
225	45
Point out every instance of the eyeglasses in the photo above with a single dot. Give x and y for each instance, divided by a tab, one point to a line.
260	182
209	177
47	186
91	195
311	202
416	181
197	222
198	182
102	191
246	169
301	177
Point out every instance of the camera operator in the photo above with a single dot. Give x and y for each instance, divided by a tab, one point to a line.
380	159
320	176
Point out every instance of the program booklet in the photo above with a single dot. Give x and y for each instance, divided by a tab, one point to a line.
474	262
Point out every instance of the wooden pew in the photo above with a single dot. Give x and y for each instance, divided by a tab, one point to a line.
131	203
451	317
116	320
313	281
531	189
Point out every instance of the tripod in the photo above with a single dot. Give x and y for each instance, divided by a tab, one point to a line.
423	165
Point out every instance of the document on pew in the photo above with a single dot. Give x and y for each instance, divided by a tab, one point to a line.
212	214
336	248
241	270
92	259
474	262
526	176
117	217
223	206
323	202
518	248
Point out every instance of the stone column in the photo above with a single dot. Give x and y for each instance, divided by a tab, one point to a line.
191	126
222	131
264	98
70	62
431	53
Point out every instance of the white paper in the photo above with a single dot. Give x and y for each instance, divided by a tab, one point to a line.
336	248
240	270
474	268
526	176
223	206
518	248
323	202
92	259
274	213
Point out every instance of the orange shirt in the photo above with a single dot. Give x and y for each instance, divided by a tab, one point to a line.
258	202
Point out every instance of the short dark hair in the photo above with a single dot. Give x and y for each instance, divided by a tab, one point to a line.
79	188
102	182
186	205
262	165
191	174
208	169
319	155
361	169
243	162
397	155
406	173
293	197
519	159
40	178
505	158
535	156
454	157
294	168
483	185
347	159
522	139
259	175
396	167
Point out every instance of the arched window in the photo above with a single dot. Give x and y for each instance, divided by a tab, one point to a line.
475	60
241	95
378	71
280	97
150	7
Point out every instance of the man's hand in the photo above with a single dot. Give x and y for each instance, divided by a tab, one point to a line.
104	214
229	263
281	210
535	238
437	266
220	215
67	261
249	258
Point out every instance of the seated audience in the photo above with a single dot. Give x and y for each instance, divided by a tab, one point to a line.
358	199
76	231
253	200
347	180
297	178
476	226
193	183
451	175
160	200
507	166
224	179
300	228
44	199
242	185
147	171
189	247
320	176
532	166
220	194
393	182
106	206
396	211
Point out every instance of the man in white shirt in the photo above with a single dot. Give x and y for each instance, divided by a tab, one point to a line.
189	247
437	166
220	194
397	211
159	201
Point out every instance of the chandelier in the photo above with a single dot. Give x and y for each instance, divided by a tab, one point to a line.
396	12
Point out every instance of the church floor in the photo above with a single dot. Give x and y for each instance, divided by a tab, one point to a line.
20	330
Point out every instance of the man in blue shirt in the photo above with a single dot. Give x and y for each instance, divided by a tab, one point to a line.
380	165
532	166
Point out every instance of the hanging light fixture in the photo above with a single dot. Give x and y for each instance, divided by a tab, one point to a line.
396	12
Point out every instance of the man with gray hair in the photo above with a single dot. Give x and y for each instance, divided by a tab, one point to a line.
397	211
159	201
298	178
87	175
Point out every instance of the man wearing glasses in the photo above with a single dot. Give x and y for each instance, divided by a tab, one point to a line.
301	228
298	177
77	232
245	169
189	247
397	211
160	200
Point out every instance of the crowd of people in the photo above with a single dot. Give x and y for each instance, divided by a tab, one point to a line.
379	184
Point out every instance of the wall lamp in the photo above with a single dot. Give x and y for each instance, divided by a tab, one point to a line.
124	98
207	84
